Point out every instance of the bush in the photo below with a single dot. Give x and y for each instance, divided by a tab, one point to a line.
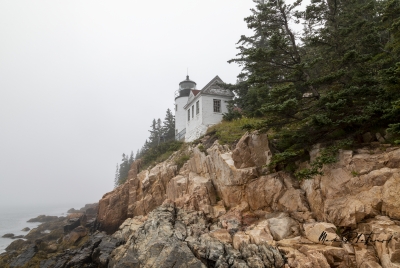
160	153
181	160
229	132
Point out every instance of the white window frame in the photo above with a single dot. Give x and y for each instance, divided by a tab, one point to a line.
217	104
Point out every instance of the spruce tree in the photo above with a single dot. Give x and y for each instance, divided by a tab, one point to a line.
337	79
168	128
116	178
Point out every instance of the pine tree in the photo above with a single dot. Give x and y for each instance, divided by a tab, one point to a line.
159	131
153	138
131	159
168	128
339	78
123	169
116	178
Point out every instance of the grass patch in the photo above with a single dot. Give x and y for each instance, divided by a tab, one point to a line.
181	160
229	132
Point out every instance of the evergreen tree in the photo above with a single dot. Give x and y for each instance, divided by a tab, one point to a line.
340	77
131	159
116	178
123	169
159	131
168	128
153	138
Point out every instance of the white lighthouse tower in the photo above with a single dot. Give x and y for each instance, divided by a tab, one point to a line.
181	99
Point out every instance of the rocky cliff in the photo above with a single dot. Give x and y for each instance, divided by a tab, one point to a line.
322	222
224	208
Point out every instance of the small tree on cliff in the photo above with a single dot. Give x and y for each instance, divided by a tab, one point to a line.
168	128
123	170
116	178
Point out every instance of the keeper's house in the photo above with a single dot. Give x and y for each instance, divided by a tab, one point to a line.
196	110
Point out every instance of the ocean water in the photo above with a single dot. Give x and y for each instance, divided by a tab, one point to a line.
14	219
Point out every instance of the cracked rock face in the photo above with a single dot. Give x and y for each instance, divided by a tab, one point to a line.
229	212
172	237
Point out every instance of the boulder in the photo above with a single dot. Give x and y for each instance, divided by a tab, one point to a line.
26	229
380	138
43	218
75	235
260	235
252	150
24	257
8	235
367	137
390	197
221	235
322	233
366	257
17	245
239	239
282	226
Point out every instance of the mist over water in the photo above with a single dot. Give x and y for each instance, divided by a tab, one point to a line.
14	218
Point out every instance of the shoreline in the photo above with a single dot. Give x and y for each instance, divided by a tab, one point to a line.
15	218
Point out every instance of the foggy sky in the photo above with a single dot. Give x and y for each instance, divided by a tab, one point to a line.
81	81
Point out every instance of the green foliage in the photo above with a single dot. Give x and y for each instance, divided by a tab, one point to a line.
159	153
123	169
158	147
328	156
338	78
283	158
202	149
168	128
181	160
229	132
394	128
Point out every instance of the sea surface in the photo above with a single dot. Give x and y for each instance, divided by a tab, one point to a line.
14	218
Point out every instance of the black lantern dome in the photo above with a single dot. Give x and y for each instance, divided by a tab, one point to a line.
184	88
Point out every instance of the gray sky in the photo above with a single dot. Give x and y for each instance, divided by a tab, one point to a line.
81	81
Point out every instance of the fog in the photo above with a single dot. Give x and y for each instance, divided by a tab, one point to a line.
81	81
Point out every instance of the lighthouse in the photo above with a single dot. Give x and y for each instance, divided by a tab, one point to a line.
181	99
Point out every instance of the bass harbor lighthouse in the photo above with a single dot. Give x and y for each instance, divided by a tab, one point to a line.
181	98
196	110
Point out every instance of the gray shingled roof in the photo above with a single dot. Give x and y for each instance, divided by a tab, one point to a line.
212	89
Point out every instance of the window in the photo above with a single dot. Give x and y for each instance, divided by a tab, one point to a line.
189	115
176	107
217	106
197	107
192	111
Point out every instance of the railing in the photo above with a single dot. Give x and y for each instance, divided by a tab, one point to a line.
180	135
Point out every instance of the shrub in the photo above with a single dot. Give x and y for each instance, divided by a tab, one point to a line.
160	153
181	160
229	132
